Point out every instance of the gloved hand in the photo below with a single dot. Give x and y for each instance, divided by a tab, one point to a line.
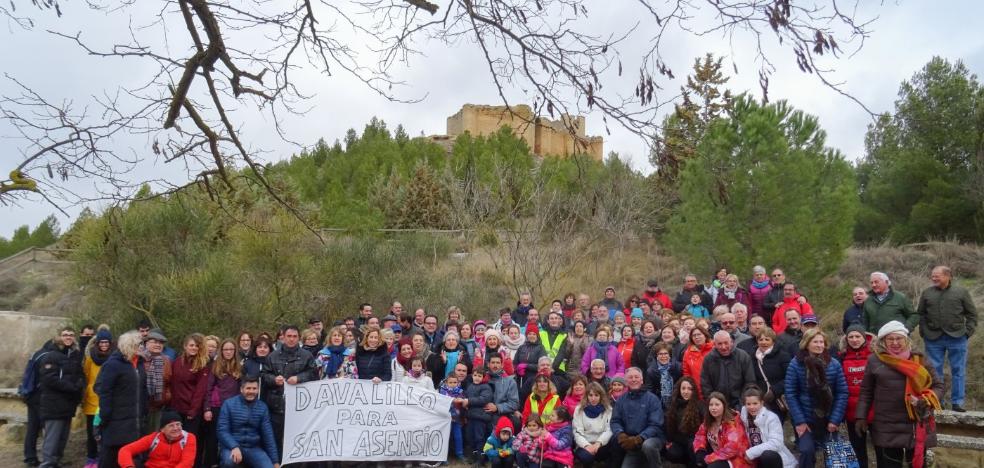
521	370
622	439
860	427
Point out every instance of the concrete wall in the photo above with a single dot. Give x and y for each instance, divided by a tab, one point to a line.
23	335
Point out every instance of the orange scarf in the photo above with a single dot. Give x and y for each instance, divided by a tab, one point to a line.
917	380
917	383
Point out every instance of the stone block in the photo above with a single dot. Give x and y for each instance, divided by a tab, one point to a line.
954	457
13	433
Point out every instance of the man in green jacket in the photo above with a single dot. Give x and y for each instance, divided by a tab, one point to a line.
948	320
885	304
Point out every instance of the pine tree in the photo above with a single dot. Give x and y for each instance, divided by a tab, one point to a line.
776	195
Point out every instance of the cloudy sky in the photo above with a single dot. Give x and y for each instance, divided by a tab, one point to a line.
904	36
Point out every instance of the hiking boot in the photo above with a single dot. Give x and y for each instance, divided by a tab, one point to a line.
958	409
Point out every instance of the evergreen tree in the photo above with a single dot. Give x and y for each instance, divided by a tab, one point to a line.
45	234
763	188
922	174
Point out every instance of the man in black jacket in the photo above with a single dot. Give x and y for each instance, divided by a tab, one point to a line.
62	381
290	364
691	286
726	370
30	391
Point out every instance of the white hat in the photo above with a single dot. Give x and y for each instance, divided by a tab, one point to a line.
892	327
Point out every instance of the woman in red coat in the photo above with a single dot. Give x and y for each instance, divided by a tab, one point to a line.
721	441
693	358
854	359
189	380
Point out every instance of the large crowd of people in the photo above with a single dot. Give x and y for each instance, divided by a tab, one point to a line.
707	377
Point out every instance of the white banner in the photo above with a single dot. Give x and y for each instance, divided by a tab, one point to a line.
356	420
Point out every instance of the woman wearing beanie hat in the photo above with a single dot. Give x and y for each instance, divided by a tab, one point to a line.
856	346
171	447
908	392
527	355
96	353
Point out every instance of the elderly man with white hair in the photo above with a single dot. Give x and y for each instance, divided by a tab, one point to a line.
726	369
885	304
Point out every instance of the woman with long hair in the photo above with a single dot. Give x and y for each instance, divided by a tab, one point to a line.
223	383
681	420
542	400
189	382
816	393
335	359
592	425
403	356
693	358
372	360
721	440
908	392
576	344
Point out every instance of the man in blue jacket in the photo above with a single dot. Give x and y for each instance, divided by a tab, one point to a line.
637	425
245	432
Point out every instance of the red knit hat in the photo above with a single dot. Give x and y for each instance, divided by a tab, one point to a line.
532	328
504	424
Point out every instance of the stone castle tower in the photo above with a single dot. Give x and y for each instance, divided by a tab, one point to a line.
564	137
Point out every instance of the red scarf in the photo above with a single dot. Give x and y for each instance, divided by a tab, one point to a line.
918	381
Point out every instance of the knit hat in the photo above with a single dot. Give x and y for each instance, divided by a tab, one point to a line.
504	424
396	328
810	318
532	328
652	283
892	327
493	332
620	378
479	322
636	313
856	327
612	288
103	335
168	417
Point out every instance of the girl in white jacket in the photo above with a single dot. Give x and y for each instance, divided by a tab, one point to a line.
765	438
592	425
416	375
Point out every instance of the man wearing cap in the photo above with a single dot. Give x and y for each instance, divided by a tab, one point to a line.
318	326
654	293
158	367
948	320
691	286
245	432
610	303
171	447
809	321
389	320
885	304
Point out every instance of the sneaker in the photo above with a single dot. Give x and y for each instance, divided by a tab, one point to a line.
958	409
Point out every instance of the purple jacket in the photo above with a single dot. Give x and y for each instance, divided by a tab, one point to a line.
614	359
757	298
741	295
220	390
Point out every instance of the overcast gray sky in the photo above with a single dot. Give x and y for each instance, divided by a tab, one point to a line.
904	37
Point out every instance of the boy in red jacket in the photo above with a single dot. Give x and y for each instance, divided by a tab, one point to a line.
170	448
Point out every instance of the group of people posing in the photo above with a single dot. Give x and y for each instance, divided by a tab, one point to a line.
705	378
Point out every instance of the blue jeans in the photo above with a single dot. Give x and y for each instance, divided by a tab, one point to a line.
456	442
253	457
956	350
811	441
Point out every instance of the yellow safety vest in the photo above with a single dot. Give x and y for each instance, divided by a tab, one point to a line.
548	409
553	349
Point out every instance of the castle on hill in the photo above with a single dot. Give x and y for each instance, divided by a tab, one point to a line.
545	137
